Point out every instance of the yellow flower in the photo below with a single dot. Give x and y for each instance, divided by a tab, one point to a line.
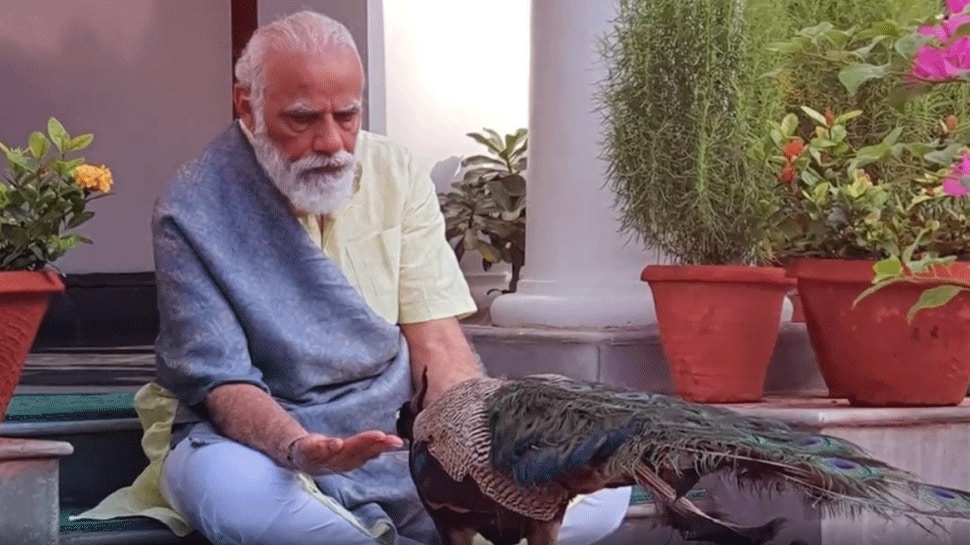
93	178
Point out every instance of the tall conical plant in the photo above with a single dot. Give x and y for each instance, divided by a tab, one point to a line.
681	101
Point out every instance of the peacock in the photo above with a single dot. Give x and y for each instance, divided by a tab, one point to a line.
504	457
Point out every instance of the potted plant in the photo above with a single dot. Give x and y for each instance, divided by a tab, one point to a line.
864	201
486	211
679	115
43	195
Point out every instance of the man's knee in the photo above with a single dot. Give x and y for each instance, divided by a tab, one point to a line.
595	516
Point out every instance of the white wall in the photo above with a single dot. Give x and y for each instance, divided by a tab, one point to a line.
453	67
150	78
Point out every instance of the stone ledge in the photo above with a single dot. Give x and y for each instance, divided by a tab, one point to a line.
827	412
29	475
24	449
627	357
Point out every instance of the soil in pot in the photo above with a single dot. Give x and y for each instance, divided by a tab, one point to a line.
24	296
718	327
870	354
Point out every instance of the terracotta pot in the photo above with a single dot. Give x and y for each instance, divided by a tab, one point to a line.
870	354
718	327
24	296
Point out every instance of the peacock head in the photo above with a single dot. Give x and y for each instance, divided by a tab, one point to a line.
408	412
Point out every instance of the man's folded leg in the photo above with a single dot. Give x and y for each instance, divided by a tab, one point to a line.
595	516
236	495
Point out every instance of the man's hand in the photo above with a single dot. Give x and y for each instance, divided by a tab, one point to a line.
316	454
249	415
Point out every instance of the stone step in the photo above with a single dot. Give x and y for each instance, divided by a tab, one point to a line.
105	434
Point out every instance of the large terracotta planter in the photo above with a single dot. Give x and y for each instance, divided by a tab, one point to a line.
870	354
24	296
718	327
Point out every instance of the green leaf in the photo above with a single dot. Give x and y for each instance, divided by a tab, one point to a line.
839	133
893	136
890	266
945	156
847	116
475	160
489	253
814	114
902	93
58	134
855	75
16	157
39	144
933	298
80	142
870	154
909	44
470	240
788	125
514	184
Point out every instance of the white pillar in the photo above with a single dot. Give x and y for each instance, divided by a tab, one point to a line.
578	273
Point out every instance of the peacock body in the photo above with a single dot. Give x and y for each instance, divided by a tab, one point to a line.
504	457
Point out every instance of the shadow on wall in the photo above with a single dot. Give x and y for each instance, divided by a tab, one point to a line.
150	79
443	173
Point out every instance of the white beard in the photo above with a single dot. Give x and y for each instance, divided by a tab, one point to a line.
310	192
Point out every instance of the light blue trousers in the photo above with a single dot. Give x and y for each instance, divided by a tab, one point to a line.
232	494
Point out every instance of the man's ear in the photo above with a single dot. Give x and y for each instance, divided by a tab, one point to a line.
242	105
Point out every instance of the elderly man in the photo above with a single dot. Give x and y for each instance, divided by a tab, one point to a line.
304	283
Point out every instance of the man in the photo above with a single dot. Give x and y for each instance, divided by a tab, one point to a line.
304	284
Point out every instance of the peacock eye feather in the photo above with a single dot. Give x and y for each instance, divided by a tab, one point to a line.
944	498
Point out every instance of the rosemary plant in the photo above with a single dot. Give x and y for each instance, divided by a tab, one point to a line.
681	102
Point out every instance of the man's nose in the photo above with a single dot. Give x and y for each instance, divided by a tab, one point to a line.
328	140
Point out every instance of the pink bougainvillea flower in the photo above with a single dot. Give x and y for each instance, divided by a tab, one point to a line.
956	183
943	63
932	64
947	26
954	188
957	6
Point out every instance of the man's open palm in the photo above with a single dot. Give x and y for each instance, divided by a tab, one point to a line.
319	455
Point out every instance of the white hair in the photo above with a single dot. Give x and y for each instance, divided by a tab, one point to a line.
302	32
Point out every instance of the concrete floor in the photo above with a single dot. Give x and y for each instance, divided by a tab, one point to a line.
642	531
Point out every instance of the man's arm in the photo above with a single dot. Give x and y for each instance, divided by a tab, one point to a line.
441	347
433	294
249	415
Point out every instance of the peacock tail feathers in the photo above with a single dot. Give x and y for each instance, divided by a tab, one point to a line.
544	427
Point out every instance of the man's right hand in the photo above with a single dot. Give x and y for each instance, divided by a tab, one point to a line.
316	454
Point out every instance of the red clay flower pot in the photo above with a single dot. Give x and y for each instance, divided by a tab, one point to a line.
718	327
24	296
870	354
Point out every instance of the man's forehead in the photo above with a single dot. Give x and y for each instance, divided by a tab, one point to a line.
330	80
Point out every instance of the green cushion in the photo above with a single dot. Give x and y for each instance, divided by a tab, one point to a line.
34	408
